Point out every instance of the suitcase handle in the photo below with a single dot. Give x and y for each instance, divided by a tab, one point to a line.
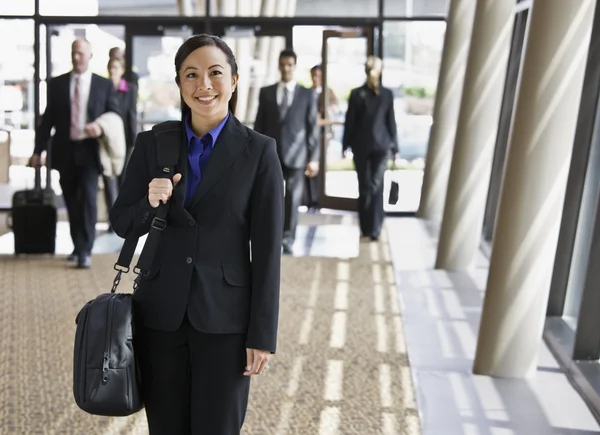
38	179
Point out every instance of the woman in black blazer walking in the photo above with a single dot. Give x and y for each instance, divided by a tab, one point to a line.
127	95
205	315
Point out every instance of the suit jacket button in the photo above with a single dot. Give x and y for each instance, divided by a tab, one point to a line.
189	260
192	223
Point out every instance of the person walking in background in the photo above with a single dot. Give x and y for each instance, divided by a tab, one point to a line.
370	132
316	75
127	94
287	112
119	54
205	316
74	101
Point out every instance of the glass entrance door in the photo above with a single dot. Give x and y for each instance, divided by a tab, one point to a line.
344	54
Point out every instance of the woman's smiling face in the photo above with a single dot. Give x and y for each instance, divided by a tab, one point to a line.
206	82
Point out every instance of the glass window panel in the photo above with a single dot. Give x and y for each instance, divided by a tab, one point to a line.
345	72
258	61
123	7
411	8
412	54
290	8
585	229
102	39
21	7
153	61
17	86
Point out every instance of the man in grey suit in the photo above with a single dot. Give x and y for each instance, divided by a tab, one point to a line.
287	112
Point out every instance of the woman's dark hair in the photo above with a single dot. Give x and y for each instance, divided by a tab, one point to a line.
115	60
192	44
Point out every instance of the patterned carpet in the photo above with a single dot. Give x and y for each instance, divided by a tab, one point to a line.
341	365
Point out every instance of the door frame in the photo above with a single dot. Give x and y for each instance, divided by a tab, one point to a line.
325	201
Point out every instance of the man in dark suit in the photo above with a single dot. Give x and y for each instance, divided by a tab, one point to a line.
287	112
74	101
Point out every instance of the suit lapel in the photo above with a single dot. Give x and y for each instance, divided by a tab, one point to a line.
232	140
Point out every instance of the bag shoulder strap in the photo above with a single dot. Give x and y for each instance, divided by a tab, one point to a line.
167	136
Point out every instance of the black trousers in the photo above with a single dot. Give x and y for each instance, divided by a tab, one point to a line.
79	185
310	198
370	170
294	187
192	382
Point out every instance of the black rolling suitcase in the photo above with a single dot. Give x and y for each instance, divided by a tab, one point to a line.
33	218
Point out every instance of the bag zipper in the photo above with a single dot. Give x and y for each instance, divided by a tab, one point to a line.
107	346
81	353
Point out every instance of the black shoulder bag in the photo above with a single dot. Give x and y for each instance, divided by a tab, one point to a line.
106	379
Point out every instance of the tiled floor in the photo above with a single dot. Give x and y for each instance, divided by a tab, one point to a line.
341	365
441	312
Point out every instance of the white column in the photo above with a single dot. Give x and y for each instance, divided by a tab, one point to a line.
533	190
459	27
476	134
185	7
291	8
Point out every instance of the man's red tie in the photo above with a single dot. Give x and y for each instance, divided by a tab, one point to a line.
75	127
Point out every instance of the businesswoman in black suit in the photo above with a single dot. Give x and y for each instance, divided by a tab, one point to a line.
205	316
370	132
127	94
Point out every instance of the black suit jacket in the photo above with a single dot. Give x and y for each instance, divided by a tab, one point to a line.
203	263
65	153
128	109
370	123
297	135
